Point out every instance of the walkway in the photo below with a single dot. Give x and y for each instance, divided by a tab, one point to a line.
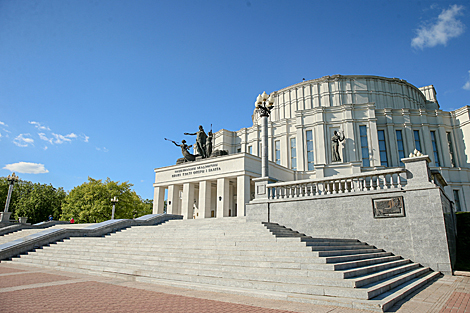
33	289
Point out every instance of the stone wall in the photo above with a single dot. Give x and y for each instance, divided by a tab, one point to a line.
425	233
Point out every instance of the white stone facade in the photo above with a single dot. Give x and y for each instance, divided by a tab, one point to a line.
383	120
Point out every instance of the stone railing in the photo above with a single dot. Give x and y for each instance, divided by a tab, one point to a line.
416	174
376	180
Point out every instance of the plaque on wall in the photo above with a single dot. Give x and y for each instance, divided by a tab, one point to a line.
388	207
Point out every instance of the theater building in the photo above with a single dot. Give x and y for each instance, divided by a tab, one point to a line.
382	120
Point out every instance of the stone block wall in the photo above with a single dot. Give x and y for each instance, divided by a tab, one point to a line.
421	235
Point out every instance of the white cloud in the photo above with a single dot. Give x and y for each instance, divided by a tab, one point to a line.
22	141
26	168
84	137
42	136
61	138
447	26
39	126
104	149
3	124
467	84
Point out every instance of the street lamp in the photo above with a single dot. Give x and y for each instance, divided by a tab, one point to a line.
264	104
12	179
114	201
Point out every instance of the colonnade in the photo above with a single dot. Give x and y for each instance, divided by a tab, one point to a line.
220	197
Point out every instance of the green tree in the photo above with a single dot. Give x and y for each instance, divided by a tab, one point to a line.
90	202
34	201
20	189
39	202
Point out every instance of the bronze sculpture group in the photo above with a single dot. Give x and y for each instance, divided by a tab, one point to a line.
204	146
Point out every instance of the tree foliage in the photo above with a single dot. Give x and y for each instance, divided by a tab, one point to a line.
91	202
32	200
41	201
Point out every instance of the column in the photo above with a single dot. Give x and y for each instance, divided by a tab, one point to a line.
158	200
301	154
391	143
374	143
188	201
172	200
408	133
205	199
465	204
222	197
426	144
231	204
443	145
349	135
321	147
243	193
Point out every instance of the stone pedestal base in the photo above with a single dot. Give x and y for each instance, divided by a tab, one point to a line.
5	217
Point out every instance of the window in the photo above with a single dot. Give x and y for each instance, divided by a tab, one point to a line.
277	151
457	201
364	146
417	140
310	157
260	150
451	149
250	149
434	149
293	154
400	146
382	148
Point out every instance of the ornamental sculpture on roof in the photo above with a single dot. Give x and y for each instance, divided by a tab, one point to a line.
203	147
415	154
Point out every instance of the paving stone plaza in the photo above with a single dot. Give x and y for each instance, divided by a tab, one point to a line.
341	197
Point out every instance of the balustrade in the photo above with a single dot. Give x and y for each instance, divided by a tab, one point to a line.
363	182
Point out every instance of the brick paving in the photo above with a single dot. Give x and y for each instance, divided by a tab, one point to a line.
459	302
6	270
102	297
28	279
33	289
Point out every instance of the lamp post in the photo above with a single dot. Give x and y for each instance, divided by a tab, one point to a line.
264	104
114	201
12	179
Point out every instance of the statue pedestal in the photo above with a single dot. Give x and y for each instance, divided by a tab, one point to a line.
5	217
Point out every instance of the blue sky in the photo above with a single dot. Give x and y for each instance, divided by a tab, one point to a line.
91	88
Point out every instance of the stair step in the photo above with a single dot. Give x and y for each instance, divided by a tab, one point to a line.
233	255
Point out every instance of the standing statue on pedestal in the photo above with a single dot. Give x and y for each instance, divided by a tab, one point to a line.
209	144
335	140
200	141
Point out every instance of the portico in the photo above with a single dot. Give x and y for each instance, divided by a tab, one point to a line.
216	187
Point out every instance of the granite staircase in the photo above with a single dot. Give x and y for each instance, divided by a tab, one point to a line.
235	256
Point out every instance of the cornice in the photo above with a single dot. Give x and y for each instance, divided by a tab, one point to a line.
338	77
